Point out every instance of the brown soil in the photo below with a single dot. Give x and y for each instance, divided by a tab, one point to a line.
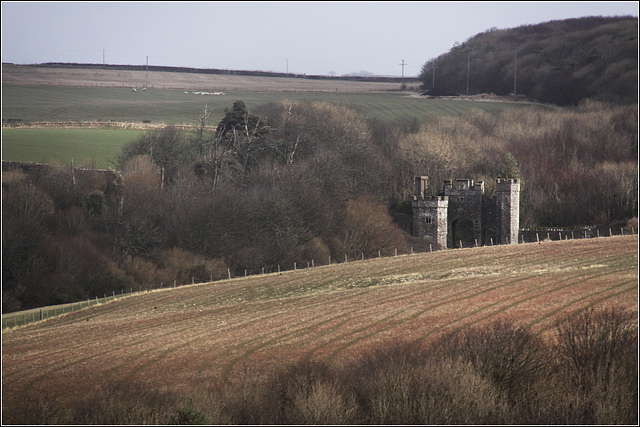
186	336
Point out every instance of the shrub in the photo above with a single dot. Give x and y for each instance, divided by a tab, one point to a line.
598	356
510	356
189	416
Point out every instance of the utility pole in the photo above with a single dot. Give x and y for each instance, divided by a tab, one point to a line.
402	64
103	63
515	66
469	49
146	75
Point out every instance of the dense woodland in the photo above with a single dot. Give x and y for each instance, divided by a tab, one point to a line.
295	182
558	62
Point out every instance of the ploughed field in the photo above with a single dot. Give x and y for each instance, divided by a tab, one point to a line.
180	338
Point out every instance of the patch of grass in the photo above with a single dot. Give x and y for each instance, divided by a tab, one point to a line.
95	147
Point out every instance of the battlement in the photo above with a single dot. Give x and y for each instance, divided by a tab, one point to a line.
510	184
431	202
463	187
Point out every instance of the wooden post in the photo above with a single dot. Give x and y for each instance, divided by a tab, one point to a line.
537	238
312	263
229	273
430	248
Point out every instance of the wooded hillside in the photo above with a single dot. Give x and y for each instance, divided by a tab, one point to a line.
559	62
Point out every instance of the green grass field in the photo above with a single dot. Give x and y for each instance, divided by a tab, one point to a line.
85	147
58	103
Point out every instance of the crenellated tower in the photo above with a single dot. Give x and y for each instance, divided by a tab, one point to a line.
429	214
507	210
464	215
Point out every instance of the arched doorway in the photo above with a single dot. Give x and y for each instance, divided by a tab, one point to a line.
462	231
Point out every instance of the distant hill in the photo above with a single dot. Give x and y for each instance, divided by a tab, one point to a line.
558	62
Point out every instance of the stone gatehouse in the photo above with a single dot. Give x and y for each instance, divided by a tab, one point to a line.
465	215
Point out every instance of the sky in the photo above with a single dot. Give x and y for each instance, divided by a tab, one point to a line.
323	38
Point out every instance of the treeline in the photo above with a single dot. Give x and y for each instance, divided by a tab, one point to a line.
558	62
172	69
498	374
293	183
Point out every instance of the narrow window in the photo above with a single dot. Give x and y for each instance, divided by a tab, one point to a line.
428	220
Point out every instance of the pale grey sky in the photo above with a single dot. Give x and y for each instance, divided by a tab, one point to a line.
295	37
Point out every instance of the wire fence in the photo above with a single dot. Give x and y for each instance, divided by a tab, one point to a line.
23	318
